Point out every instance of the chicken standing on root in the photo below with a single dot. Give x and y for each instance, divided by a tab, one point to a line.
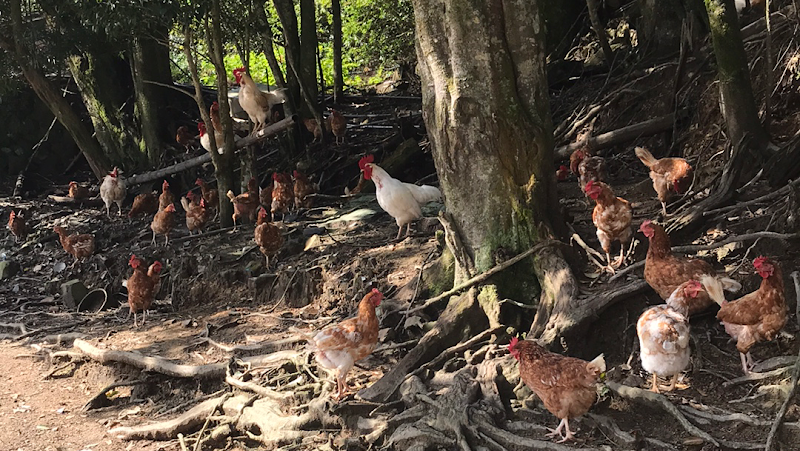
339	346
669	175
163	222
142	287
16	225
565	385
79	246
144	203
403	201
196	213
664	272
338	125
663	332
245	205
612	216
267	236
255	102
282	195
314	128
77	192
302	189
112	190
757	316
166	196
210	195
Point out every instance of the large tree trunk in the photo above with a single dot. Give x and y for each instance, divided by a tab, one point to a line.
338	77
150	60
485	105
51	97
308	47
660	28
269	47
98	82
736	99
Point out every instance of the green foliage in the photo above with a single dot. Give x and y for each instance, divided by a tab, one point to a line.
378	32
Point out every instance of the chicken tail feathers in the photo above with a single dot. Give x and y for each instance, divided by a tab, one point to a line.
598	364
645	156
425	193
230	195
714	288
729	284
185	203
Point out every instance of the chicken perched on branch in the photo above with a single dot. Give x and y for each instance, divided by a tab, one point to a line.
256	103
268	236
587	167
339	346
565	385
669	175
403	201
163	222
144	203
664	272
757	316
142	287
210	195
16	225
245	205
196	213
166	196
77	192
112	190
282	194
79	246
338	125
612	216
302	189
663	332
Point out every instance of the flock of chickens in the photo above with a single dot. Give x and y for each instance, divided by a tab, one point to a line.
566	385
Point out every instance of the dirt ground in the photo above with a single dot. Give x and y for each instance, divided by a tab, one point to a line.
215	293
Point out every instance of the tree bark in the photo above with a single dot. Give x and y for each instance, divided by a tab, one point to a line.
736	102
269	48
288	18
308	47
338	77
600	30
49	94
485	106
150	62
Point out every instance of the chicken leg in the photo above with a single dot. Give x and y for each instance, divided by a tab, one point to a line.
654	388
557	432
664	209
747	362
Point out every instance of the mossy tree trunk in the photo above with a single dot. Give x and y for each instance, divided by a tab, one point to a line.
338	77
49	94
150	58
736	99
98	80
485	105
660	27
308	47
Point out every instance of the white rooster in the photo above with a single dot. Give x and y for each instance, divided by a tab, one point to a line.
255	102
403	201
112	190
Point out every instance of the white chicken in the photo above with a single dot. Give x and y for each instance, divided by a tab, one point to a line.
219	138
663	332
403	201
112	190
255	102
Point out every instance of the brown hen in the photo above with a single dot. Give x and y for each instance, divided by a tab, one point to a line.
612	216
282	194
16	224
142	287
79	246
163	222
669	175
268	236
144	203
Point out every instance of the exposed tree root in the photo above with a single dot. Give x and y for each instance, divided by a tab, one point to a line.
167	430
771	439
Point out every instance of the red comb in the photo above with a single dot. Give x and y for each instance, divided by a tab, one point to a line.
362	163
513	344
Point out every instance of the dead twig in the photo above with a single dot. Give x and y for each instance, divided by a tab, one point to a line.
656	400
453	350
752	377
782	192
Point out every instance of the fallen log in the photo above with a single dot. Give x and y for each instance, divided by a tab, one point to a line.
166	367
262	134
624	134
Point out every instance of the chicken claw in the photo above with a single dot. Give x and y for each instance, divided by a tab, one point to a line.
557	431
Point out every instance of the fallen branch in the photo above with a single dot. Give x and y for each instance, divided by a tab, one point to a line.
88	202
724	418
166	430
453	350
262	134
656	400
481	277
752	377
255	346
624	134
101	400
166	367
263	392
782	192
785	406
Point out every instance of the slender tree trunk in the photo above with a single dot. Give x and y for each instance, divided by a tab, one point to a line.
338	77
736	101
660	29
600	30
49	94
486	108
308	47
291	39
269	48
151	63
